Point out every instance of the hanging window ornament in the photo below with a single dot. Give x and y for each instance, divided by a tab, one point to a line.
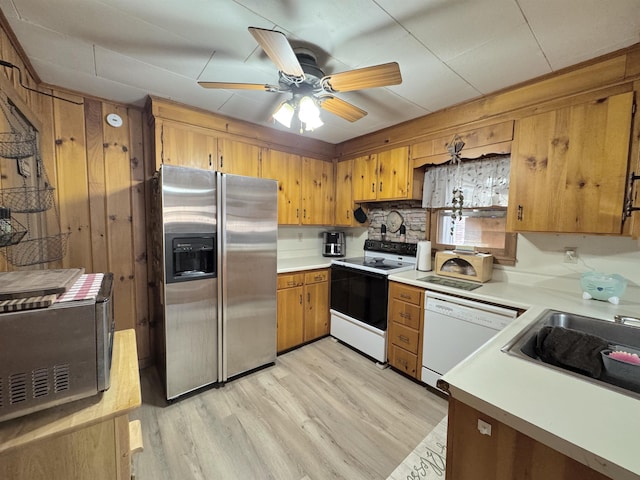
457	201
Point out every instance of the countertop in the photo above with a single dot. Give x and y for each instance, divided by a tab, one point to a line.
122	397
288	265
589	423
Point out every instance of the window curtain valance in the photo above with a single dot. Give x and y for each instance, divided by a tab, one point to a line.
485	183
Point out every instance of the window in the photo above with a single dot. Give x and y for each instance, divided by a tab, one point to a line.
483	228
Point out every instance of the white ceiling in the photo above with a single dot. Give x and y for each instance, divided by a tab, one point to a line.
449	51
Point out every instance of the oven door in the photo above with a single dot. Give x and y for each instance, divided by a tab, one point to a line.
360	295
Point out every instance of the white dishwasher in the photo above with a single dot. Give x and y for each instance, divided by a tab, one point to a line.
454	328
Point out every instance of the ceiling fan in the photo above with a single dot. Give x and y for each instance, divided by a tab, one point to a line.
300	75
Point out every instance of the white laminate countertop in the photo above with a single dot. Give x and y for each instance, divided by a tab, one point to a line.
594	425
296	264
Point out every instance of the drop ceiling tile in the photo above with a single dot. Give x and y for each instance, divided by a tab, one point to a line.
130	71
92	85
504	61
128	35
426	80
572	31
55	48
450	28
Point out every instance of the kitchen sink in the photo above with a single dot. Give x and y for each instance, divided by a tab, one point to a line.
619	334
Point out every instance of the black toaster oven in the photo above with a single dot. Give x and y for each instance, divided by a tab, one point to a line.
57	354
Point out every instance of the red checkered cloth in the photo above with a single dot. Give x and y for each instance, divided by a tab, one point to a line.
85	288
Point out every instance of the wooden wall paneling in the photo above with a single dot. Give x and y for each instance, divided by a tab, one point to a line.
118	210
46	136
97	188
150	138
138	215
72	178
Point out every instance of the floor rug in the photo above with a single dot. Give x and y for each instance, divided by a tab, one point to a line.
427	461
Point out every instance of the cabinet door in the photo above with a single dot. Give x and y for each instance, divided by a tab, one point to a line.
286	169
365	178
290	317
238	158
344	194
317	192
316	310
568	168
187	146
393	174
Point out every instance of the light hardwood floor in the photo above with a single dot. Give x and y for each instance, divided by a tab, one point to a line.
322	412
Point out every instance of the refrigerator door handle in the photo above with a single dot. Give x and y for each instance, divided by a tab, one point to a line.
222	265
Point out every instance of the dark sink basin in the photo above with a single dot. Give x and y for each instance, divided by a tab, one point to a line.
616	334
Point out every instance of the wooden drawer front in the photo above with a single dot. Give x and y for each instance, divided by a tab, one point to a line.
407	293
404	337
403	360
316	276
288	280
405	313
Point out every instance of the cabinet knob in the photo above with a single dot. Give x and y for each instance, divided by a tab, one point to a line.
405	296
404	339
520	211
221	161
300	299
405	315
380	186
373	187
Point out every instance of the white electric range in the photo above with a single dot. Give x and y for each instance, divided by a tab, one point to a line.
359	294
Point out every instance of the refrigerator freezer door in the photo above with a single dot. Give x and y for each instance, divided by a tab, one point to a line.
248	253
191	343
190	333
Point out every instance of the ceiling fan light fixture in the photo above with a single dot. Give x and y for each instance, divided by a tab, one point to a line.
313	123
284	114
308	111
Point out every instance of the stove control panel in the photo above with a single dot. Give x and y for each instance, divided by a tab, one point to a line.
400	248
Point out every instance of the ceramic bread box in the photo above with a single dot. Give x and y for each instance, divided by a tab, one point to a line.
477	267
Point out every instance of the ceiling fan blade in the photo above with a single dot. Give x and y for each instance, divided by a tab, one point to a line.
240	86
278	49
368	77
342	109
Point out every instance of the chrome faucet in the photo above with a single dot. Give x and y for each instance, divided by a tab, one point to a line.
626	320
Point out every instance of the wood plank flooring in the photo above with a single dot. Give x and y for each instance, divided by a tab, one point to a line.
322	412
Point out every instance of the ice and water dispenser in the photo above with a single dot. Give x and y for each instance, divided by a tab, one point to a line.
190	257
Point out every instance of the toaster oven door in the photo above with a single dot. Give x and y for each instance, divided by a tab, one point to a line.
105	327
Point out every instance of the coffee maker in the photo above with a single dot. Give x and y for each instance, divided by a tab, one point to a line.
333	244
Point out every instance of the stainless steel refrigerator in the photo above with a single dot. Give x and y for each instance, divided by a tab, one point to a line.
218	301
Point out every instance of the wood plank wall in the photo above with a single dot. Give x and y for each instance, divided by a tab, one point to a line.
99	173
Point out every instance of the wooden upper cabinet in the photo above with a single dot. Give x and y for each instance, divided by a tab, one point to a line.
387	175
344	195
286	169
238	158
365	178
187	146
317	192
393	174
569	166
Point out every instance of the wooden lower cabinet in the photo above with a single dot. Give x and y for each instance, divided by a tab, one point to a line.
405	328
506	454
303	307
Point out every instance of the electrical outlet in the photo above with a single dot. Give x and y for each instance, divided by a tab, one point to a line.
570	255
